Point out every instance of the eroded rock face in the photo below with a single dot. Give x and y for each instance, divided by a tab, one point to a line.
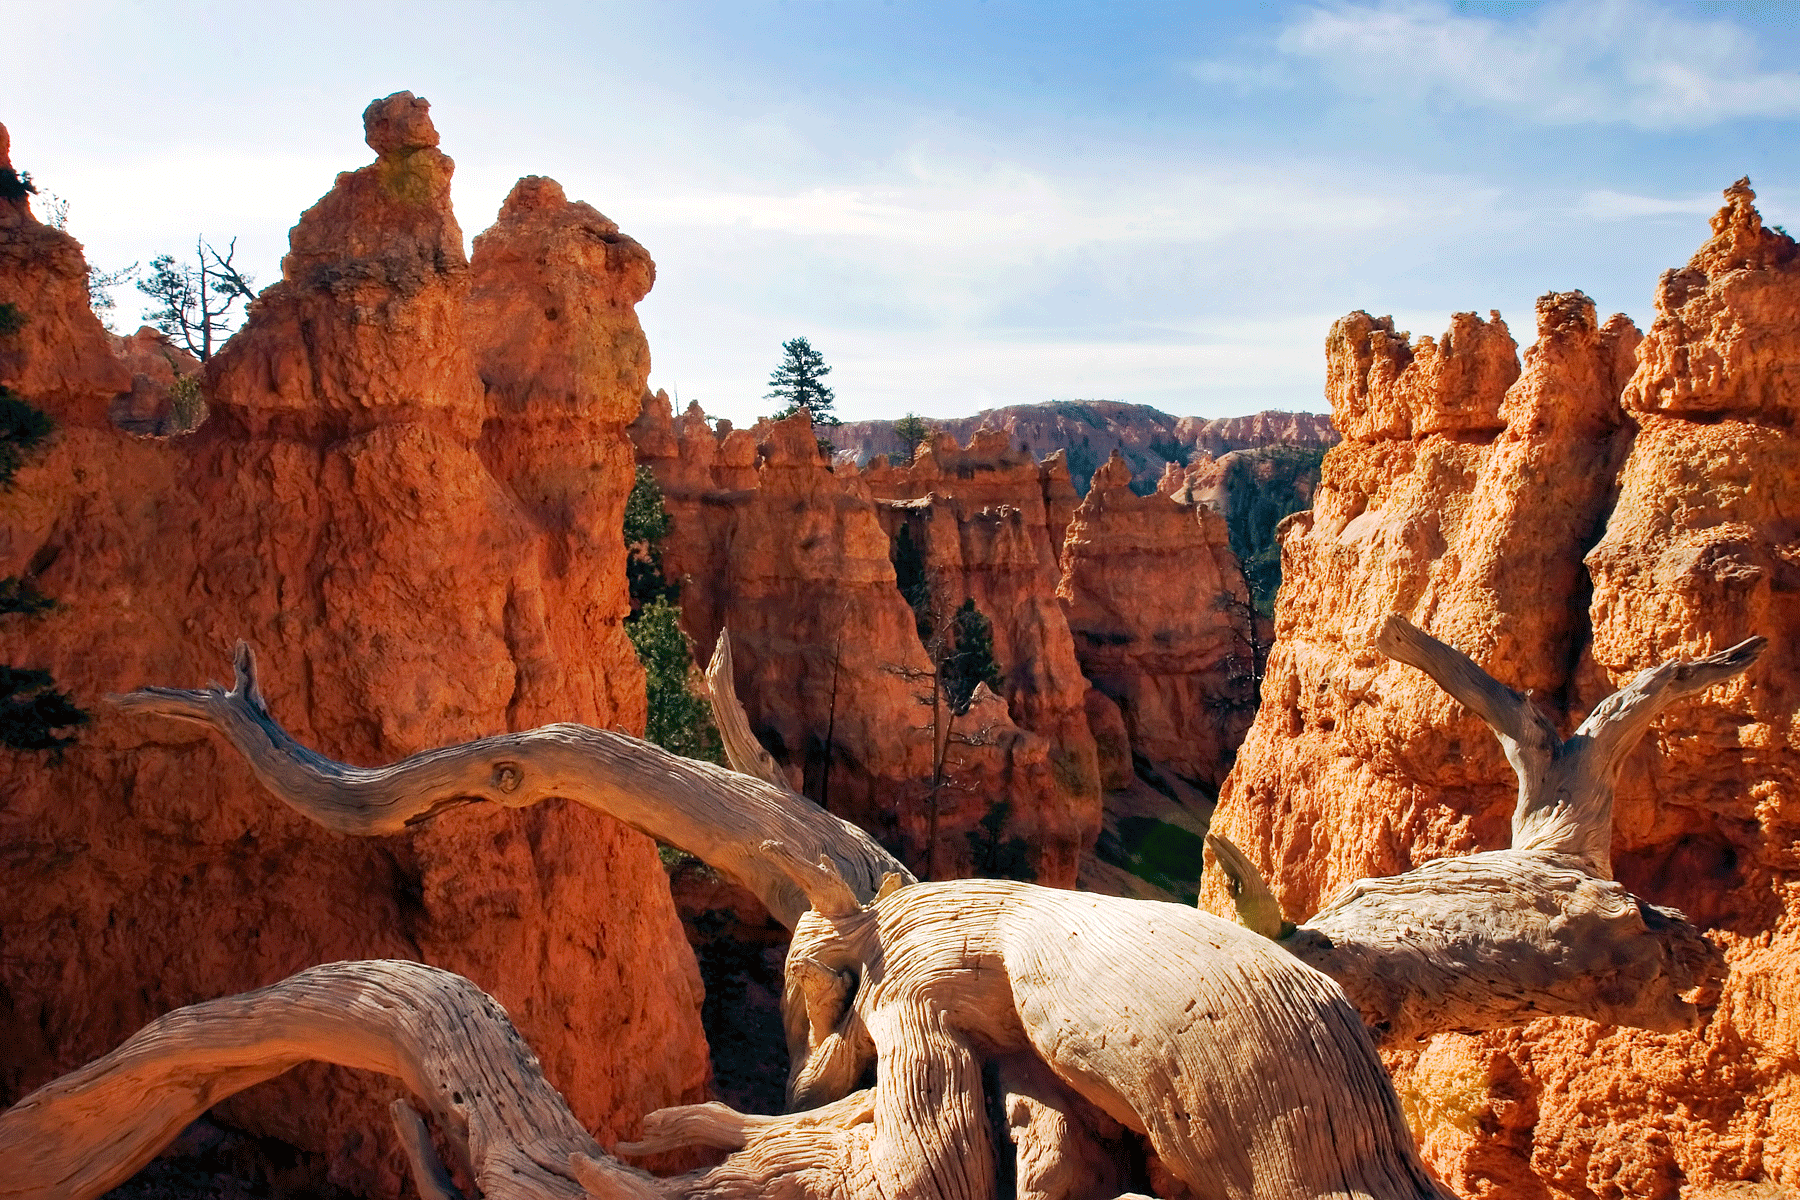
1087	432
793	557
1160	617
353	511
156	365
58	354
1618	518
988	521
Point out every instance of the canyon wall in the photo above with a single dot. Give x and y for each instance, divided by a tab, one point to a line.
987	522
1610	506
1161	621
408	499
1088	432
766	539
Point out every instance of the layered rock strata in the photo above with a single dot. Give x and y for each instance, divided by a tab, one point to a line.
1161	622
1618	505
765	538
363	508
1088	432
988	523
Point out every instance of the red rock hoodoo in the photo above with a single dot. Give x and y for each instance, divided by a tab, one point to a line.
375	506
1161	621
768	540
1567	527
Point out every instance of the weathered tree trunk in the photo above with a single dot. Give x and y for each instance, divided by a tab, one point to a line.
448	1041
1486	941
720	816
1247	1071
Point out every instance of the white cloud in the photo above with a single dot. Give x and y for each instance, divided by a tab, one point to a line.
1627	61
1243	75
1606	205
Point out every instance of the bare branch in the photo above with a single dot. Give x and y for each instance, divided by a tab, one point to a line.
1257	908
717	815
428	1171
448	1041
745	754
1524	732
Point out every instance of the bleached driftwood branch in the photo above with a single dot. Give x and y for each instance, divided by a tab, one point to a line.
448	1041
1496	939
745	754
720	816
452	1045
1249	1074
1565	787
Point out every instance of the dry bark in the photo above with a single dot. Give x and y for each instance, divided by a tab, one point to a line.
1248	1072
1485	941
452	1045
718	815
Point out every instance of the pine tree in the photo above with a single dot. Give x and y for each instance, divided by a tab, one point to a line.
32	712
680	719
911	429
798	381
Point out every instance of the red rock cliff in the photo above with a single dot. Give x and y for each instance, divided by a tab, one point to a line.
358	510
989	523
1661	493
766	539
1160	617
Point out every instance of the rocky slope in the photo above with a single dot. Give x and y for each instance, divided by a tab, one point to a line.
372	507
1088	432
1609	506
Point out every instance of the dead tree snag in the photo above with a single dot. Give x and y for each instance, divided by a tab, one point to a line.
1489	940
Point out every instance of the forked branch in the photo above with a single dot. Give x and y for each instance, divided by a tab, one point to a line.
1565	787
448	1041
720	816
1491	940
455	1049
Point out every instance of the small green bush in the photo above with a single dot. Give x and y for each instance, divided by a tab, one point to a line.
22	430
680	719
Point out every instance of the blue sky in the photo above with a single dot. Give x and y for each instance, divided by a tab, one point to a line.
964	205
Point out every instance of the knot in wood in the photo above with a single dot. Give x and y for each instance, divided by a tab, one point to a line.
508	776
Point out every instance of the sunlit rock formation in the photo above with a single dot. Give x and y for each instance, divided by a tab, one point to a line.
365	510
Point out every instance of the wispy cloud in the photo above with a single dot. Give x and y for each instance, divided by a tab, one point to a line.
1606	205
1244	74
1626	61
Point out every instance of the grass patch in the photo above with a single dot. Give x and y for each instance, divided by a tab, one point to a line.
1156	852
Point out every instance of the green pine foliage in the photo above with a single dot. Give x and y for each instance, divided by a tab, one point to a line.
15	185
970	661
1263	487
646	525
680	718
799	383
11	320
22	430
995	856
33	714
912	429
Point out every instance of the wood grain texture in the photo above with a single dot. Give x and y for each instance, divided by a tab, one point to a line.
721	816
1497	939
1248	1071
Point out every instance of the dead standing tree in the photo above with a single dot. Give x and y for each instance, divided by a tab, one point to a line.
1490	940
1248	1072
